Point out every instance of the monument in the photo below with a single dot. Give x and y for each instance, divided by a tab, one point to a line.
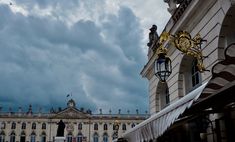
60	132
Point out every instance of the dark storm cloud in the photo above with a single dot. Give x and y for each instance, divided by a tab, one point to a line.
43	59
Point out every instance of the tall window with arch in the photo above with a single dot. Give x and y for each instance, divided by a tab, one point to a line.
80	126
123	127
95	126
69	137
34	126
105	127
13	125
195	74
105	137
22	137
44	126
33	137
2	137
23	126
79	137
12	137
43	137
95	137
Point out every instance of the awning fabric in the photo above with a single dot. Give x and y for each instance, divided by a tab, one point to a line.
223	73
158	123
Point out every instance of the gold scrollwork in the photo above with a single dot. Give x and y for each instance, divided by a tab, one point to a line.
182	41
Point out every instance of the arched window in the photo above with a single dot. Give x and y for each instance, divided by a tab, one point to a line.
69	137
22	137
44	126
13	125
3	126
189	76
79	137
2	137
105	127
95	137
43	137
23	126
123	126
33	126
195	74
95	126
33	137
105	137
12	137
132	125
80	126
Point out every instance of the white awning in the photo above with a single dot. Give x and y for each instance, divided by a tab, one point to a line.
158	123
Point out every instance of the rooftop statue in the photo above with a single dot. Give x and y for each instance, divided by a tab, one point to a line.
153	36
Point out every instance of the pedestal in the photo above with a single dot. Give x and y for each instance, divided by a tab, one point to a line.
60	139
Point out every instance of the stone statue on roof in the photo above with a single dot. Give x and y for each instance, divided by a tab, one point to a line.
153	36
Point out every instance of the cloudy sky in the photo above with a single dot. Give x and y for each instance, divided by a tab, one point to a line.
92	49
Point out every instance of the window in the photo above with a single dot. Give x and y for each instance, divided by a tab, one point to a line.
70	137
33	126
123	126
43	137
12	137
80	126
105	137
23	125
105	127
13	125
95	137
95	126
132	125
22	137
3	126
195	74
79	138
33	137
44	126
2	137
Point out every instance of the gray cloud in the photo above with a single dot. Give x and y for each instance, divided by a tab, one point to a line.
42	59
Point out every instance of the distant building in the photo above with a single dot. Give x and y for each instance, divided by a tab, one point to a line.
80	125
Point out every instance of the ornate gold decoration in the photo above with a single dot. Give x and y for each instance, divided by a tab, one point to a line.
183	42
163	38
190	46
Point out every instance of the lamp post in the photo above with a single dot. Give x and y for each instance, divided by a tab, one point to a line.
116	128
183	42
163	67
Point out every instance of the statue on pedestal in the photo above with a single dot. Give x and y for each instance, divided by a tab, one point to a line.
153	36
60	129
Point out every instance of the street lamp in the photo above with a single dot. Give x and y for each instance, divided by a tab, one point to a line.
162	67
182	41
116	128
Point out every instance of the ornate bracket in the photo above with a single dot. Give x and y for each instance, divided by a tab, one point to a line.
183	42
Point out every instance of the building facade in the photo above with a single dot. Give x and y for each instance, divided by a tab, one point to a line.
192	105
80	125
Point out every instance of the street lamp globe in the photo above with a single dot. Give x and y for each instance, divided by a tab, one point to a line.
162	67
